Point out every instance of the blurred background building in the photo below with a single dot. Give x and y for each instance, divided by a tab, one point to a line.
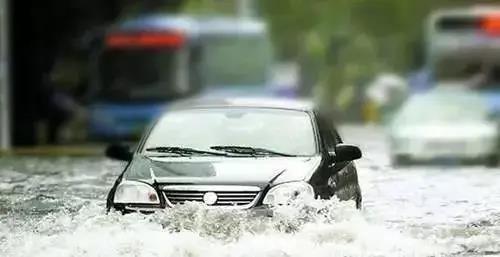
332	50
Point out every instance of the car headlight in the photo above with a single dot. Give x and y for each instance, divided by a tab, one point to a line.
136	192
288	192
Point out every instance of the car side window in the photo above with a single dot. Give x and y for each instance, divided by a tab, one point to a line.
328	134
338	139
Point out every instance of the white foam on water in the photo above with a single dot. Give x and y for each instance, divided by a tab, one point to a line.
422	211
323	228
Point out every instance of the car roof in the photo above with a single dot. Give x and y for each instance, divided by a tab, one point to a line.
221	25
194	25
237	102
182	23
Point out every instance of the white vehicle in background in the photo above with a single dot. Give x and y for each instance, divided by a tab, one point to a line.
444	124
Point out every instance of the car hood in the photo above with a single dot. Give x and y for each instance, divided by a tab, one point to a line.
232	171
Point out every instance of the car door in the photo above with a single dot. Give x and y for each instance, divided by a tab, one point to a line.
343	178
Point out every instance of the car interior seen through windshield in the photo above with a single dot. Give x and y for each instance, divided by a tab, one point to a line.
288	132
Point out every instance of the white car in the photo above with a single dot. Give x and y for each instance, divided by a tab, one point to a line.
444	124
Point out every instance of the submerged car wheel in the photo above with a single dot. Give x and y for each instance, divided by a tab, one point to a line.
401	161
491	161
359	200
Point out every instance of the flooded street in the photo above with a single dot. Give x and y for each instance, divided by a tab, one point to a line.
55	207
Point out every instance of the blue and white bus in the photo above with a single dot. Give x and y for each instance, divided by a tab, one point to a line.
463	45
145	63
139	67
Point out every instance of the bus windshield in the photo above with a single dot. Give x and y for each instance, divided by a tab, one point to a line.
139	74
474	72
463	46
237	60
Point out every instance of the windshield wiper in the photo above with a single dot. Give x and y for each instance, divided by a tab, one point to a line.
253	151
182	151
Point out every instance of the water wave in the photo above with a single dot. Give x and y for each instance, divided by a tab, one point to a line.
321	228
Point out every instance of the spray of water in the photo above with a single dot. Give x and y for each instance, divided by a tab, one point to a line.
320	228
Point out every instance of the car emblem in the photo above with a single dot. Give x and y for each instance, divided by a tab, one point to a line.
210	198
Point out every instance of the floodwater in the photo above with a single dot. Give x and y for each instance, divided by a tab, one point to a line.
55	207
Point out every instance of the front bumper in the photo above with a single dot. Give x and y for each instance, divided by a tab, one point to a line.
438	148
257	211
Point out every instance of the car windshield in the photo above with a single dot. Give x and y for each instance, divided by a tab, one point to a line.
237	60
139	74
284	131
442	108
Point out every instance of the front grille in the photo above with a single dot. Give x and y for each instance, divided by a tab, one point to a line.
226	195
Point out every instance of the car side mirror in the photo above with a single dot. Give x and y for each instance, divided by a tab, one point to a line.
119	152
345	153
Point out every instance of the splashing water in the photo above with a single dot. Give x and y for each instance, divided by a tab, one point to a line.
55	207
322	228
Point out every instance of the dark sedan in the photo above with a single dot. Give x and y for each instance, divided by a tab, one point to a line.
237	153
